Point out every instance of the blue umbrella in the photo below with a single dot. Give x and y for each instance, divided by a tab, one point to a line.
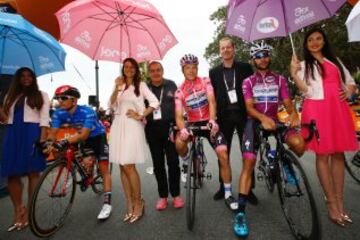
24	45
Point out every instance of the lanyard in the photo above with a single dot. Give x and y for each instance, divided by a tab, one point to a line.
227	87
161	93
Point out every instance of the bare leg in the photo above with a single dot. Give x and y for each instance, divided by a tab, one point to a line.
105	173
127	190
15	187
325	177
338	175
245	179
134	181
225	169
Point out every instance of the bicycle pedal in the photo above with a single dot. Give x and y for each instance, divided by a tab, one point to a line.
83	188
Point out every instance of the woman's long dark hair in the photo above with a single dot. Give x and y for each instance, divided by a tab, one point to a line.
311	62
137	77
32	92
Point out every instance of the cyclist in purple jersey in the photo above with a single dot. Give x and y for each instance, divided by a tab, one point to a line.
263	92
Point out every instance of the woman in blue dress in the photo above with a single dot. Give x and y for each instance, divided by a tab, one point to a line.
26	114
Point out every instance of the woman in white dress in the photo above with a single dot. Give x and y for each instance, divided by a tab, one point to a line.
127	145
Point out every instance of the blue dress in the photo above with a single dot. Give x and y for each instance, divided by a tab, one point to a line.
19	155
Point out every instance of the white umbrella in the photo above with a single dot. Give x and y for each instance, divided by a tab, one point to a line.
353	24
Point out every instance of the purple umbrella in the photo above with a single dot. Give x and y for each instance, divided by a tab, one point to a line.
258	19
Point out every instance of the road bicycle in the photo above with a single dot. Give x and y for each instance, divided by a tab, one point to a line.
196	172
282	168
55	192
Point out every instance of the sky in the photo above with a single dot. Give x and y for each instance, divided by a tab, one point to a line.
189	22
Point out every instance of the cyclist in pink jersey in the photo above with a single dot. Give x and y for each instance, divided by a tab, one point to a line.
263	92
196	97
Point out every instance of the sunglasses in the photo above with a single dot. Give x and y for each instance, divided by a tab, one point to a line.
63	98
260	55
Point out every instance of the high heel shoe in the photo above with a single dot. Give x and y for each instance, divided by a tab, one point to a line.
136	217
127	217
21	221
337	220
346	218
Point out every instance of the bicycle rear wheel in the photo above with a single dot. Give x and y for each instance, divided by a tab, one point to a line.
190	194
50	204
352	169
296	199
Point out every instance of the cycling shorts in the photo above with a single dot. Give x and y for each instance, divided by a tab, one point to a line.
98	147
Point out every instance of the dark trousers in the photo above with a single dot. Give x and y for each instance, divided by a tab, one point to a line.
228	123
157	136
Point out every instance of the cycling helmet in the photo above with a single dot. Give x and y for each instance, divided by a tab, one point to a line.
258	47
188	59
68	91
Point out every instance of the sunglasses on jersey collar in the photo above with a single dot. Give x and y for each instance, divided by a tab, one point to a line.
63	98
262	54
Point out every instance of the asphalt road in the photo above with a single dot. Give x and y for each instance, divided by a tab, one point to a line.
213	219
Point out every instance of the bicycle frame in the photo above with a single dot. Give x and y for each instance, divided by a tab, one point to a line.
71	158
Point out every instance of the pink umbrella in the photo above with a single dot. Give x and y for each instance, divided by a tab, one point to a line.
258	19
113	30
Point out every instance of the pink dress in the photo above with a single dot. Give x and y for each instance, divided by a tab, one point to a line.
332	115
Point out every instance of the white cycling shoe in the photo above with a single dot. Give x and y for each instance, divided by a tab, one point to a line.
105	212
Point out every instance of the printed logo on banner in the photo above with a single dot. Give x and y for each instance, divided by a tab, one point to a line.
84	39
65	17
267	25
112	53
167	39
45	63
303	14
240	24
142	51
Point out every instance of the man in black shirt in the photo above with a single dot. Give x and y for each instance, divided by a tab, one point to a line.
227	79
157	135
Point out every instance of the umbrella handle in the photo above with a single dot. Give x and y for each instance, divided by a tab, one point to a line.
292	44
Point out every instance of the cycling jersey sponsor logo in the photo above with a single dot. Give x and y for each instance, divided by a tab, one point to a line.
267	25
84	40
198	101
269	79
303	14
263	93
112	53
240	24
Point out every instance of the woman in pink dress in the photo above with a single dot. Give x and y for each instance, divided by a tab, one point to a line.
326	84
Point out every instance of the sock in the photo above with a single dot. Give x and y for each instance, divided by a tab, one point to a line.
186	158
242	200
107	198
227	189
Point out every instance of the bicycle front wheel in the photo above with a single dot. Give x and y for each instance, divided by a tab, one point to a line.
52	199
296	198
352	169
191	183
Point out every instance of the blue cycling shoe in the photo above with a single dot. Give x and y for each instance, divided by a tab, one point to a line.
290	178
240	225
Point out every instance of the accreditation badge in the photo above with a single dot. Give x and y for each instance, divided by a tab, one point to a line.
232	96
157	114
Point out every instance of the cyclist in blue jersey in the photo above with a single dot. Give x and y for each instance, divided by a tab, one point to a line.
89	130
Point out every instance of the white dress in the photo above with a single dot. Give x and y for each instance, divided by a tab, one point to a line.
127	144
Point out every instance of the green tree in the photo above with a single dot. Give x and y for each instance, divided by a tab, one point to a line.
335	28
